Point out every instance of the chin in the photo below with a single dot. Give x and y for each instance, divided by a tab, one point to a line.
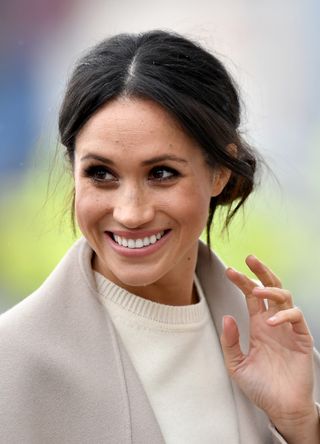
137	279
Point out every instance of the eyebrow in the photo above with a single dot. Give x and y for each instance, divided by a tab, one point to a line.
147	162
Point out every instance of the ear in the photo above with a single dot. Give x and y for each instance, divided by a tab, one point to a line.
222	175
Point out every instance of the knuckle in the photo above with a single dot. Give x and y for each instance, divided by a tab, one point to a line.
287	297
298	311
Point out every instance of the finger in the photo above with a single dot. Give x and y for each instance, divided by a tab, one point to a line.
294	316
246	285
263	273
277	297
233	355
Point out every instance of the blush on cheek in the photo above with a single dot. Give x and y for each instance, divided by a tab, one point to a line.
199	212
90	212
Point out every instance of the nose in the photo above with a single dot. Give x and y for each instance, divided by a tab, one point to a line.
133	208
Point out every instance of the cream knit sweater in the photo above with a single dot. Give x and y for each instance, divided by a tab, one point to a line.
177	355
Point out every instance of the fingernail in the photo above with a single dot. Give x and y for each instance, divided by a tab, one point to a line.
272	319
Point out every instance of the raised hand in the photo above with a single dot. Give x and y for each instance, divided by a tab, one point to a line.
277	372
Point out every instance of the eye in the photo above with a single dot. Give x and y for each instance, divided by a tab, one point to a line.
163	173
99	173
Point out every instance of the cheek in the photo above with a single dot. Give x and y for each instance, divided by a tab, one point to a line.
191	207
90	208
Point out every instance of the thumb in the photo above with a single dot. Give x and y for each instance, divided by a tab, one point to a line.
233	355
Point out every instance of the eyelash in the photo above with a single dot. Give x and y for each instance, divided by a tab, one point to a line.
173	173
94	171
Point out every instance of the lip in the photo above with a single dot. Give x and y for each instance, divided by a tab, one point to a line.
135	234
137	252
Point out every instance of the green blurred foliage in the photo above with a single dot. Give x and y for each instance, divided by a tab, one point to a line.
35	232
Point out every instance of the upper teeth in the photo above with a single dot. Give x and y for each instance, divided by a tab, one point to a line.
138	243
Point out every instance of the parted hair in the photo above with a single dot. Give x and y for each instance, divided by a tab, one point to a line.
187	81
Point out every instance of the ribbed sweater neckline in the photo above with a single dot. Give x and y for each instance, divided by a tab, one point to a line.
154	311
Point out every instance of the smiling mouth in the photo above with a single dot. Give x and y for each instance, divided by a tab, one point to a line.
137	243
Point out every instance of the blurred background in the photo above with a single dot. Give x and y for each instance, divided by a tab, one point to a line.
272	50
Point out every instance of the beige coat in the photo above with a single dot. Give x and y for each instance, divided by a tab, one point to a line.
65	376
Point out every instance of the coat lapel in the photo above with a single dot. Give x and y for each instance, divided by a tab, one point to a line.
138	418
144	425
225	299
74	363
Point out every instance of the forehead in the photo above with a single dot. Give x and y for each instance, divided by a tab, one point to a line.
133	124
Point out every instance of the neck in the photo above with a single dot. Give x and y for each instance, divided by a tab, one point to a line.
176	288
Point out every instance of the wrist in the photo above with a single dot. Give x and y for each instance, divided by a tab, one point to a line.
303	427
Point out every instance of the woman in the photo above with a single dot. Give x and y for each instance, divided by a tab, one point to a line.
120	344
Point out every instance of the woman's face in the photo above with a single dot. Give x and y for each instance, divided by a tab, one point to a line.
142	192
